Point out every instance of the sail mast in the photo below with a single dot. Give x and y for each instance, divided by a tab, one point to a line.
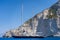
22	14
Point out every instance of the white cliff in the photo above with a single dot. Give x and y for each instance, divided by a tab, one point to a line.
45	23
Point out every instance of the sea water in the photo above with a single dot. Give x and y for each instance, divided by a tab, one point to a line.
47	38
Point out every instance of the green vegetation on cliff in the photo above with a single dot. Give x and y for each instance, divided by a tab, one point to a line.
53	11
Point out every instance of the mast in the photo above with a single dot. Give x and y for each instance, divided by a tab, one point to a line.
22	14
32	22
33	25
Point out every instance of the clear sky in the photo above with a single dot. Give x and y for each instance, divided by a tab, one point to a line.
10	12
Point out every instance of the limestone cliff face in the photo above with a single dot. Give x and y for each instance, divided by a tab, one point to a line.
45	23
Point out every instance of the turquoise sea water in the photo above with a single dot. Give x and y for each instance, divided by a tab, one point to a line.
47	38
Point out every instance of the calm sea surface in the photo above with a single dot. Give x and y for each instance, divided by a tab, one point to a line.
47	38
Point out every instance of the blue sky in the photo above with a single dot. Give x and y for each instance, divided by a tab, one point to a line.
10	12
